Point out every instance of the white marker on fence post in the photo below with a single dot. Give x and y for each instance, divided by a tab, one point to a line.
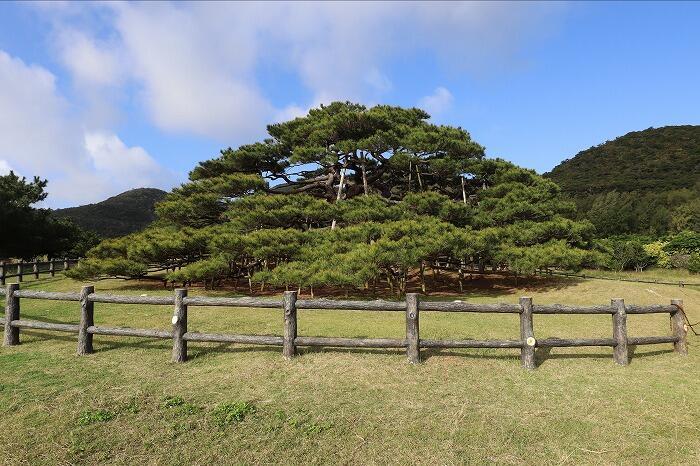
412	328
679	328
620	352
289	349
52	267
35	269
180	326
527	334
11	313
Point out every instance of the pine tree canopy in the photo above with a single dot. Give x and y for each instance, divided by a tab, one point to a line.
348	195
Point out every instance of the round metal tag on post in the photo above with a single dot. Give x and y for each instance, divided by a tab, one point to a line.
530	341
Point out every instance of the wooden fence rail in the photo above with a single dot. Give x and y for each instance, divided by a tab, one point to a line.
290	340
35	268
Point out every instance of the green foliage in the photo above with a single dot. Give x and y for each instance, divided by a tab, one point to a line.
179	406
642	182
687	242
27	232
694	263
657	252
119	215
115	267
230	413
626	254
93	416
350	195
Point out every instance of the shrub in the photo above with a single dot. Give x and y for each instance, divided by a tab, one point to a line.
694	263
657	252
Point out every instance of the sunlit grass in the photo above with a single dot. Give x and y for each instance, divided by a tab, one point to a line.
350	406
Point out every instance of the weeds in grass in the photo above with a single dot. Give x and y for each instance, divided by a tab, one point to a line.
91	416
303	422
229	413
180	406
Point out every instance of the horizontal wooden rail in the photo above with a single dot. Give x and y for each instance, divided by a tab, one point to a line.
471	344
289	341
116	299
243	339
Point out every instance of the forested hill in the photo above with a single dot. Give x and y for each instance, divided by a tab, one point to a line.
663	159
120	215
644	182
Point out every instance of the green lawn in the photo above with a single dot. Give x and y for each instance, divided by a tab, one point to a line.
127	403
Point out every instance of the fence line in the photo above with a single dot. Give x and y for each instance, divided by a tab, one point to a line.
37	267
680	283
290	340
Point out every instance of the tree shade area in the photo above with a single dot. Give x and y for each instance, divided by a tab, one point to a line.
347	196
27	231
645	182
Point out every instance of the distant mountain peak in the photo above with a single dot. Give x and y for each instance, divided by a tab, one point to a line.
118	215
663	158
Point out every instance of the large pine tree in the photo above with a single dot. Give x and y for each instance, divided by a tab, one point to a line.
348	195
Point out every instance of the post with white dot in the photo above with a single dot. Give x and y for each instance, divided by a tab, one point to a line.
180	326
527	334
412	329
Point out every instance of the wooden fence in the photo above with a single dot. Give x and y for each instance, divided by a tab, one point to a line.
35	268
290	340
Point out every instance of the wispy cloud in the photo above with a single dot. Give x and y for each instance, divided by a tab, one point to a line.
41	136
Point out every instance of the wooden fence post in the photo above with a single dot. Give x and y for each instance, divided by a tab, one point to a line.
52	267
2	273
20	269
620	353
87	319
35	269
412	328
679	327
11	313
180	326
527	334
65	264
289	349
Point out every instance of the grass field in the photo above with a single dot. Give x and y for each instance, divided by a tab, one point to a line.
127	403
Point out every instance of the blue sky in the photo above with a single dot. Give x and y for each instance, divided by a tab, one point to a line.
100	98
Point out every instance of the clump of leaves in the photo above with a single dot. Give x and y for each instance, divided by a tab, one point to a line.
229	413
91	416
179	405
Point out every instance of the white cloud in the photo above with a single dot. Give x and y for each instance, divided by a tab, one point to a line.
40	135
4	167
438	102
196	64
90	62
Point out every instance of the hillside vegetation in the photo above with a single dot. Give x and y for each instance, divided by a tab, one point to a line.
125	213
644	182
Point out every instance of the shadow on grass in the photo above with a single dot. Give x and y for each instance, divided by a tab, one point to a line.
542	355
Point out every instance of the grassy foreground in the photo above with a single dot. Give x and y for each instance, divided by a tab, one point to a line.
127	403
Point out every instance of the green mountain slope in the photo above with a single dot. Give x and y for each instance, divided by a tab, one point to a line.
122	214
643	182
